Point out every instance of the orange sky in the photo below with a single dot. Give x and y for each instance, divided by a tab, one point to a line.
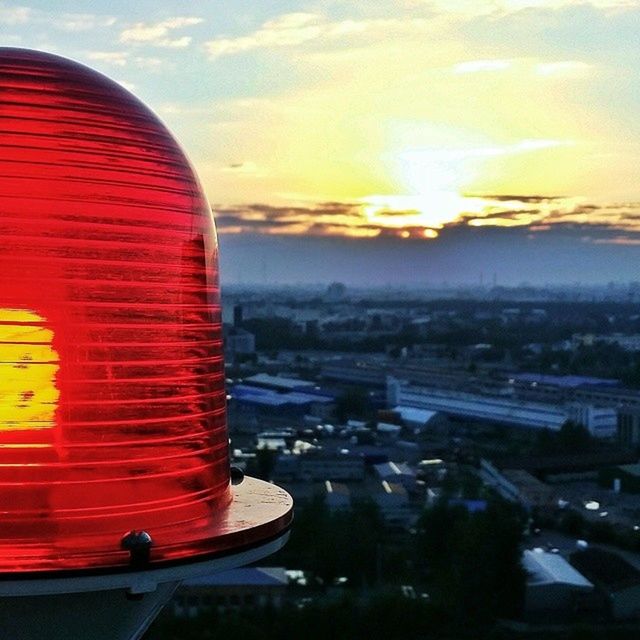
406	116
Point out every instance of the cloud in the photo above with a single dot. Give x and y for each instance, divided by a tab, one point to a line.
474	66
14	15
517	5
115	58
69	22
563	68
72	22
246	169
129	86
182	109
148	63
620	240
341	219
82	21
295	29
287	30
516	198
502	7
432	158
159	34
540	214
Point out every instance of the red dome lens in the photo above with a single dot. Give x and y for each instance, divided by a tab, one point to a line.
112	402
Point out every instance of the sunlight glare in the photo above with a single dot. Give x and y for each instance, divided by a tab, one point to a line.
28	367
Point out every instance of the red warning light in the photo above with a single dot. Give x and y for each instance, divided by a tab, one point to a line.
112	401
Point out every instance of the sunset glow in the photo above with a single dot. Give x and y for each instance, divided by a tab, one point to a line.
383	119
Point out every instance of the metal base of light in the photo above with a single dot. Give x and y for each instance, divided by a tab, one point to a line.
117	606
122	603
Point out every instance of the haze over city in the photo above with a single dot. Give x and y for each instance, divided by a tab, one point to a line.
387	141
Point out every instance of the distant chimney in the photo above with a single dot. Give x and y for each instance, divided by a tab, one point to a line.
237	315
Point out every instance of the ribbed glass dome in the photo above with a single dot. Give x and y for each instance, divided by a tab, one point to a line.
112	402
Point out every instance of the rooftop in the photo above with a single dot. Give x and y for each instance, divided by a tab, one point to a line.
391	469
278	382
244	576
609	569
415	415
257	395
551	568
337	488
567	382
394	488
631	469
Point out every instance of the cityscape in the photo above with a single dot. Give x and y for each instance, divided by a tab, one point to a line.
395	418
320	319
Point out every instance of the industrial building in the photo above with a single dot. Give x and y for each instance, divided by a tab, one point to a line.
502	409
278	383
629	342
247	587
393	502
625	478
337	496
518	485
552	583
252	407
396	472
238	342
616	580
319	466
419	420
628	426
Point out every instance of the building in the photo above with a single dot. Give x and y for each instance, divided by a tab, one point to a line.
387	432
251	408
396	472
318	466
566	466
627	342
354	372
600	422
517	485
615	578
246	587
337	496
625	478
393	502
599	392
553	584
472	506
505	409
420	420
336	292
628	426
278	383
238	342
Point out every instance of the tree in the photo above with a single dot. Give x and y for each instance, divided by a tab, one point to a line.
351	404
332	544
474	559
264	463
574	438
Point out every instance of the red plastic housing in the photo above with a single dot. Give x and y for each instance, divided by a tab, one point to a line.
112	400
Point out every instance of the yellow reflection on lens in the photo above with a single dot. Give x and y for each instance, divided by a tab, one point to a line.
28	367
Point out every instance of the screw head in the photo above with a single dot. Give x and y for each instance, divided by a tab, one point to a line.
237	475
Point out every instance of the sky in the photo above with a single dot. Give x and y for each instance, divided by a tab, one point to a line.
387	141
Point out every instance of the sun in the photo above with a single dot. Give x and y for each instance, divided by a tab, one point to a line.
429	184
